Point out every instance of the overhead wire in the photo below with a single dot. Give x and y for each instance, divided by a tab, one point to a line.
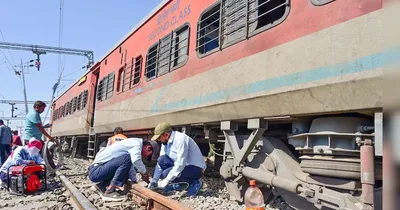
2	35
7	60
60	70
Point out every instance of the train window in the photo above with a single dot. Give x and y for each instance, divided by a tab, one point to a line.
79	102
180	47
136	71
128	71
84	98
110	85
75	104
120	82
151	62
164	55
233	21
61	112
265	14
100	90
54	115
105	88
208	30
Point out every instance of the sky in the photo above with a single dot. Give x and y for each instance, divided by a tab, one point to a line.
88	25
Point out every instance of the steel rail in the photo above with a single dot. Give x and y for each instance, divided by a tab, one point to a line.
150	200
78	198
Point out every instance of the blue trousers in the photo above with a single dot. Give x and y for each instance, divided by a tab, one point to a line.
116	171
4	148
189	174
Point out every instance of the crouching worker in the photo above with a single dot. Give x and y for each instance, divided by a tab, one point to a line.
180	163
119	162
22	155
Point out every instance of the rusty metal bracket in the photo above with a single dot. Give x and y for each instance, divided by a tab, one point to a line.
150	200
259	126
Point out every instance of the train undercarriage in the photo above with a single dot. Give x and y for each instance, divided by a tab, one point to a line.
313	162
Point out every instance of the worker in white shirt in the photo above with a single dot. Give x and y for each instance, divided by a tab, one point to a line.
119	162
180	163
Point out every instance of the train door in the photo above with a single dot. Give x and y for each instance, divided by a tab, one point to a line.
91	147
95	79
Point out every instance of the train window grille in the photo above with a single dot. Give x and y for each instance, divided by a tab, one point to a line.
208	31
265	14
79	102
110	85
232	21
66	109
128	69
164	55
61	112
151	62
54	115
180	47
84	98
73	105
100	90
137	70
120	79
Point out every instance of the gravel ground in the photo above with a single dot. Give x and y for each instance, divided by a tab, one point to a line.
54	198
213	194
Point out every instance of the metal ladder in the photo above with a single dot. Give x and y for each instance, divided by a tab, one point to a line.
91	144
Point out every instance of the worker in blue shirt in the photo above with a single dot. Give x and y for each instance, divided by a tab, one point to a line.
180	163
120	161
23	155
33	124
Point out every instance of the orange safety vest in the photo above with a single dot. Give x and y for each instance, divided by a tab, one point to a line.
113	139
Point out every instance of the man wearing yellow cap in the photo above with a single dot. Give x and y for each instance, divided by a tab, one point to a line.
180	161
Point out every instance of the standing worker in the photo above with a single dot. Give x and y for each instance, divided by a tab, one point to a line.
33	124
180	161
118	162
5	141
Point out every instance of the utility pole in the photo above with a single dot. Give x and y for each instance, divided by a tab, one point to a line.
23	81
12	109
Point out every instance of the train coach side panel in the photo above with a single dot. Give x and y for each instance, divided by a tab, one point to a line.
335	66
67	121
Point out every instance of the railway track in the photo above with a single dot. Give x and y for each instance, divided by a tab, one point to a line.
71	189
82	192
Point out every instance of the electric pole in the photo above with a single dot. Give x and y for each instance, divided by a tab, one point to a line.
23	81
12	109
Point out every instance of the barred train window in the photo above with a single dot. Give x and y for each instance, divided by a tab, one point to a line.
151	62
239	20
120	82
105	88
170	53
79	102
208	30
132	73
137	70
180	47
84	98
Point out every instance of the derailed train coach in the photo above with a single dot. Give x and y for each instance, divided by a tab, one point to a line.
287	92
